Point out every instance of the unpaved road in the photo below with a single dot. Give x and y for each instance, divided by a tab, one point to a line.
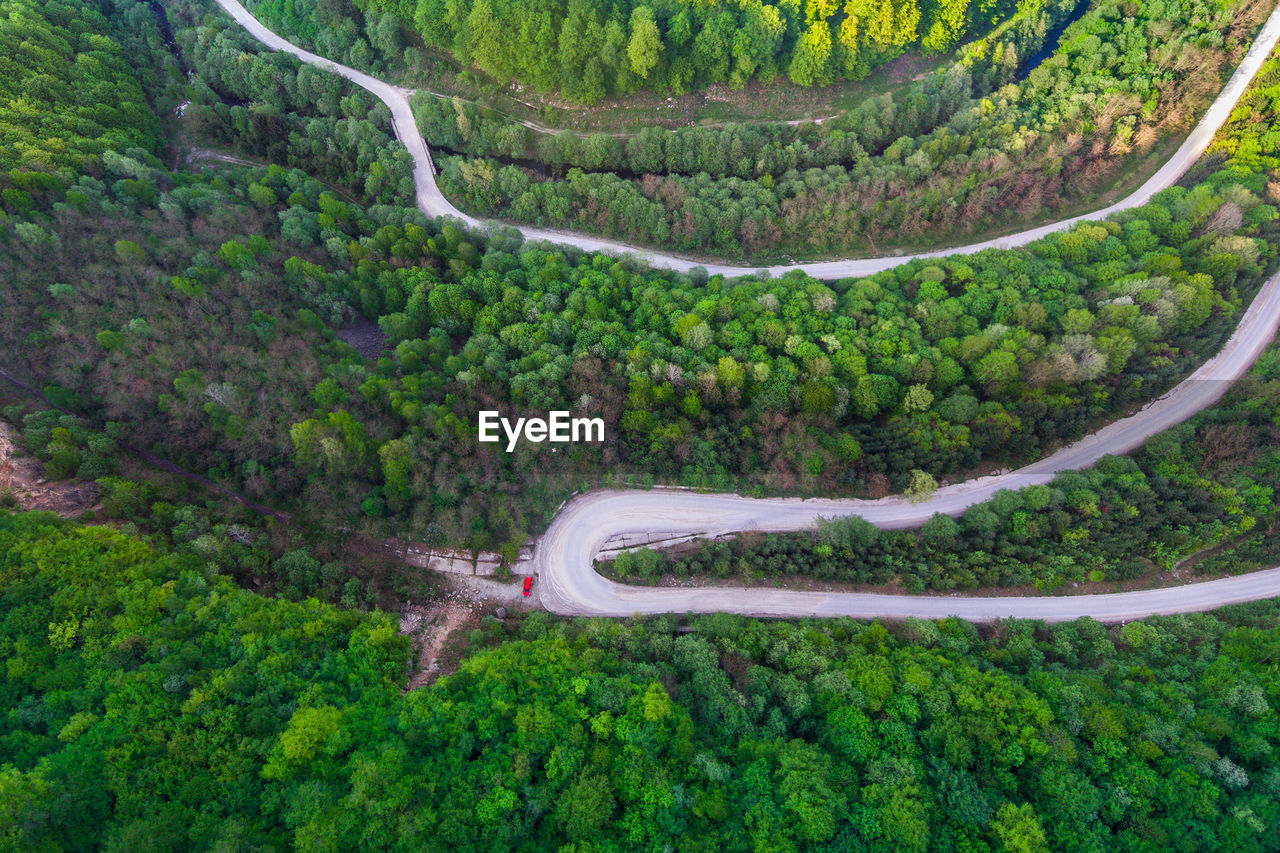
564	557
568	582
433	203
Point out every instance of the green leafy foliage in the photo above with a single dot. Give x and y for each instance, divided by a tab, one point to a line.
147	694
592	50
195	312
1249	142
68	447
785	385
1203	493
1205	488
960	154
671	45
153	704
268	105
149	702
67	92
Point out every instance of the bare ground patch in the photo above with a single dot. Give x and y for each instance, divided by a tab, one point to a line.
428	628
438	630
22	479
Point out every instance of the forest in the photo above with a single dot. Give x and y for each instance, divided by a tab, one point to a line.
268	106
1204	489
254	546
184	672
590	50
67	92
198	313
1029	123
953	158
155	704
201	320
1198	499
379	36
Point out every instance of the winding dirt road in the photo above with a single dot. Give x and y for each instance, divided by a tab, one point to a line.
563	560
568	582
433	203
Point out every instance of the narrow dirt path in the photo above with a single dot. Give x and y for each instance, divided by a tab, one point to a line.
564	561
433	202
565	555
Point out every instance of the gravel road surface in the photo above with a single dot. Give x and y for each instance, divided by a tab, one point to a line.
433	203
564	557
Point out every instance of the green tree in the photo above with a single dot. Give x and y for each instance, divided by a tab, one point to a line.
1019	830
810	60
645	45
585	807
920	487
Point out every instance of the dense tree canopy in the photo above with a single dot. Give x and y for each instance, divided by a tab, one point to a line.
195	312
1069	125
1199	498
955	156
588	50
149	700
270	106
67	93
145	694
1203	492
153	704
204	329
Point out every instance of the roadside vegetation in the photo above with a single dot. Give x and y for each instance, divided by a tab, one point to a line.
154	704
584	51
957	157
268	106
391	47
171	680
198	312
116	484
587	51
1200	496
1198	499
1011	132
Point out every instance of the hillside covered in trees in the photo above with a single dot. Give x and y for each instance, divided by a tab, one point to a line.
266	105
67	91
380	36
1029	123
1196	500
152	704
199	318
957	156
589	50
1207	486
197	313
171	679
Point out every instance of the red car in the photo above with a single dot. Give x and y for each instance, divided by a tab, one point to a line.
528	584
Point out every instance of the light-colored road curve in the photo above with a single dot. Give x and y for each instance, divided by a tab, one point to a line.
568	582
433	203
563	560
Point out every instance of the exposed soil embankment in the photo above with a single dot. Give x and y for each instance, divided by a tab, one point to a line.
23	484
